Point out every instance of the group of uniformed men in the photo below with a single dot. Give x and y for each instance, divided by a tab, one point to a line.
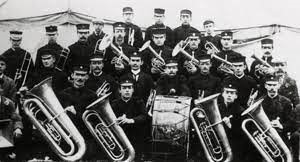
131	77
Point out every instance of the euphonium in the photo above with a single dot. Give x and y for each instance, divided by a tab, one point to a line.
107	132
49	117
207	122
265	138
62	60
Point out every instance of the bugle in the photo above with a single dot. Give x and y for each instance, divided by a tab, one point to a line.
22	72
50	118
102	124
207	122
62	60
264	137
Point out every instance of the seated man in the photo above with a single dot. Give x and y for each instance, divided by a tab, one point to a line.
131	115
7	85
171	83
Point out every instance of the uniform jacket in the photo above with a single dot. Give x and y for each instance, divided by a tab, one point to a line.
289	89
182	32
169	33
179	83
138	35
8	111
8	88
93	38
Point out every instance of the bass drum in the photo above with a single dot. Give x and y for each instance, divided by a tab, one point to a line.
170	125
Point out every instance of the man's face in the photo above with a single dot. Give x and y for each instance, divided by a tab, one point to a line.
194	42
204	66
119	34
159	39
126	91
171	70
272	88
209	28
226	42
48	61
52	37
267	49
229	95
2	66
98	27
159	18
83	36
79	78
239	68
185	19
135	63
15	43
96	66
128	17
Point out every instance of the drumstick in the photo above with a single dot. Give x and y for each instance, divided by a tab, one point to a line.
219	122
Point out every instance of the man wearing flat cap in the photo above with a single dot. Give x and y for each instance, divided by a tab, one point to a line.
80	51
172	83
116	58
159	16
210	35
97	34
15	57
134	36
97	77
183	31
52	34
154	65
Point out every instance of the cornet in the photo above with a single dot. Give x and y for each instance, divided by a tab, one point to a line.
103	89
63	57
264	63
96	49
178	49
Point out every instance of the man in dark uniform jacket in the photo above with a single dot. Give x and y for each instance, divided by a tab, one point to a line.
210	35
245	84
259	71
97	77
77	98
204	84
171	83
143	82
80	51
52	34
97	35
159	16
113	64
183	31
185	65
226	53
131	115
158	44
132	30
59	78
15	57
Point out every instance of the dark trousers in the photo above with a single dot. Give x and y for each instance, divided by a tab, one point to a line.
295	142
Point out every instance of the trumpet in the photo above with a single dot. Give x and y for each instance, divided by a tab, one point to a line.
158	62
49	117
102	124
207	122
21	73
131	36
265	138
62	60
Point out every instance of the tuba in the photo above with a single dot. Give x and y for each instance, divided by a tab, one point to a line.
107	132
265	138
63	57
21	74
207	122
49	117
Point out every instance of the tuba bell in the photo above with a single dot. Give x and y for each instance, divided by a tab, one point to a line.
107	132
207	122
265	138
49	117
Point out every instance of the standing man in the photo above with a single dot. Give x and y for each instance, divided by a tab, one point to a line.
113	63
14	60
245	84
97	35
159	17
183	31
134	36
210	35
52	34
171	83
80	51
131	115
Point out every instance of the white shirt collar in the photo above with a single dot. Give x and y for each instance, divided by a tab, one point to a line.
240	76
97	74
135	72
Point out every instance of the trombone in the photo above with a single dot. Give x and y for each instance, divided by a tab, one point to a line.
62	60
21	73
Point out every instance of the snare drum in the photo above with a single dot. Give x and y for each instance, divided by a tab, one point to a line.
170	125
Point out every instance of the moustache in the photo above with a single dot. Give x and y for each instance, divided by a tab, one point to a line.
267	53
